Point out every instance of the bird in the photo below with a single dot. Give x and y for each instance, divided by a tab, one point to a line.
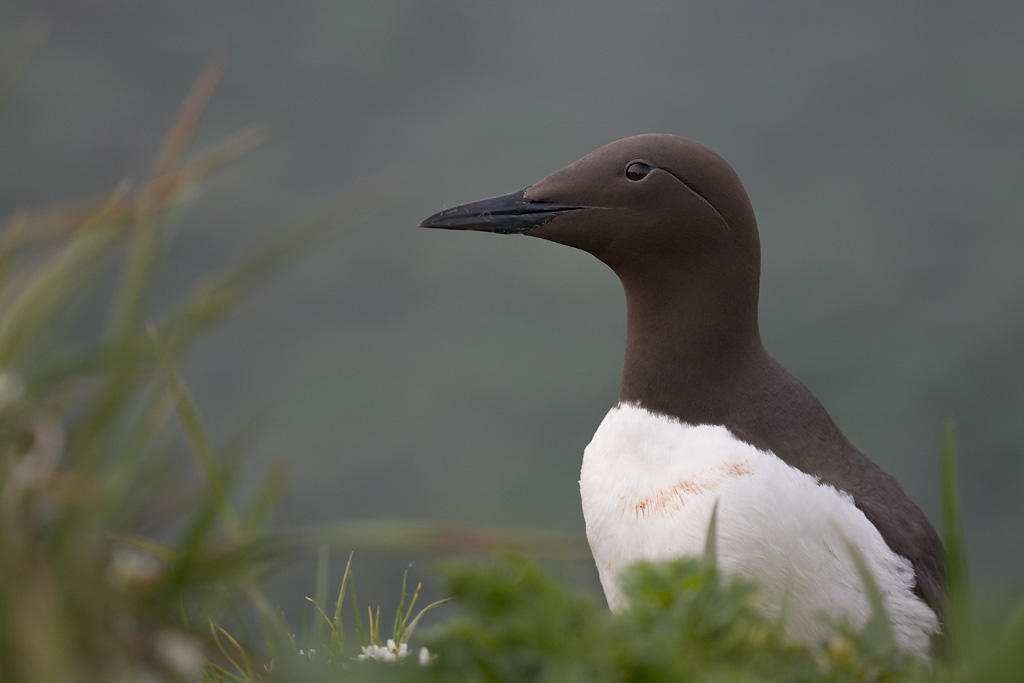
707	422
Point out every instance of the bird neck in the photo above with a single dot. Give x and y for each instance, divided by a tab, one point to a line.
689	344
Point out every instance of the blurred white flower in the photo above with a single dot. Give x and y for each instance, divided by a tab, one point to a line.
390	652
179	652
130	567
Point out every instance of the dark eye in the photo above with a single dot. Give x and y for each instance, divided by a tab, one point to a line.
637	170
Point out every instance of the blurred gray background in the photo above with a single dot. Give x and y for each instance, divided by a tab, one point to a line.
404	372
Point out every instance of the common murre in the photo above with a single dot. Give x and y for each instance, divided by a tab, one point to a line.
705	414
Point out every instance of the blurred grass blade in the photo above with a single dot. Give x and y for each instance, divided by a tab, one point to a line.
260	507
213	299
161	192
959	625
424	535
146	545
323	557
27	43
9	242
127	309
244	668
221	675
191	110
156	408
200	444
324	621
374	622
407	633
402	596
339	626
360	630
53	285
878	624
711	540
130	297
58	224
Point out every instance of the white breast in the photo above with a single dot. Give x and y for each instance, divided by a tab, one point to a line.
649	483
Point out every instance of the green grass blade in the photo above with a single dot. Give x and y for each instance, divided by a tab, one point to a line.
260	506
320	591
400	633
959	626
335	639
339	627
711	540
412	625
187	120
52	286
401	604
360	630
878	624
244	668
200	444
130	298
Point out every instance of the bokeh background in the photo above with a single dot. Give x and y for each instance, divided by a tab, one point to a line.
399	372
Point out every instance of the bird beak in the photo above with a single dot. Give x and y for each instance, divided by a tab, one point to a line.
507	214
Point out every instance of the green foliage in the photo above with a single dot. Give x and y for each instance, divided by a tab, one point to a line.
517	625
110	555
511	621
685	623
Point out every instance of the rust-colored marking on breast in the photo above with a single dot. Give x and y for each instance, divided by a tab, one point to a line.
668	499
736	469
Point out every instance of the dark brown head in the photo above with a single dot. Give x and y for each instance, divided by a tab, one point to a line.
647	204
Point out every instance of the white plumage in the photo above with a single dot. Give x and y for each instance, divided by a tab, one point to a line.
649	483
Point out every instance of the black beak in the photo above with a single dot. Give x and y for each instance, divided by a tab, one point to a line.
509	213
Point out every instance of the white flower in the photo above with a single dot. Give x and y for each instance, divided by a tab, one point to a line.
390	652
424	656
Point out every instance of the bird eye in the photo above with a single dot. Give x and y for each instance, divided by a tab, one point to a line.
637	170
